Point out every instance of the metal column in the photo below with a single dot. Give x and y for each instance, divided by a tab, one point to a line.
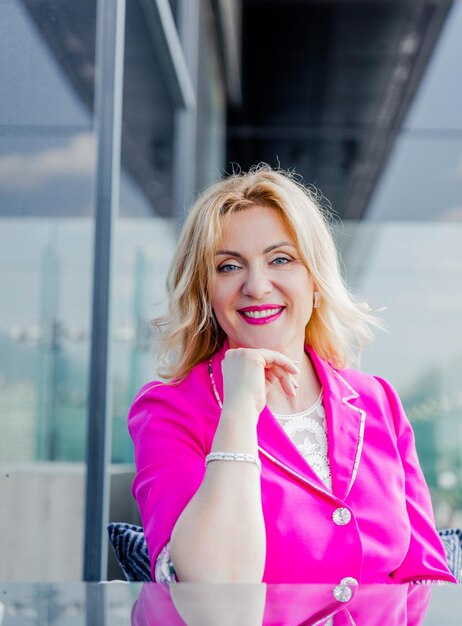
110	29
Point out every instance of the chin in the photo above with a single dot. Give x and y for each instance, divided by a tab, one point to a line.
264	342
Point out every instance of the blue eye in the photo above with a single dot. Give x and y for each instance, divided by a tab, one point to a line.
281	260
227	267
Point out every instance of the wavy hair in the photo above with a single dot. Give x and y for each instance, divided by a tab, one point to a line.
189	333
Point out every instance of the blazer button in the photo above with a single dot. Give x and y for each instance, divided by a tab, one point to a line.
341	516
343	592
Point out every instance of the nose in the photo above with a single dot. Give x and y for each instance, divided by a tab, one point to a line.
257	283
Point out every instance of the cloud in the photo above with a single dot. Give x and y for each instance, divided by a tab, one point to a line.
30	171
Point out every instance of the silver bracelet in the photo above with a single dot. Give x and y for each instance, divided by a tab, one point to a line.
232	456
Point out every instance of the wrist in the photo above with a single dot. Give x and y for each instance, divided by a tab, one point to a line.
237	431
238	412
241	404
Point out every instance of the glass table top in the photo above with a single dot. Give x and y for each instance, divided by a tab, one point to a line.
148	604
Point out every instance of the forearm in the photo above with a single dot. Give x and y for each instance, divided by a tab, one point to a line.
220	536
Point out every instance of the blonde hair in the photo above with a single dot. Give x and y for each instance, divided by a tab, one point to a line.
189	333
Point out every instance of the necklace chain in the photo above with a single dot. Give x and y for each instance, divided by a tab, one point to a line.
214	385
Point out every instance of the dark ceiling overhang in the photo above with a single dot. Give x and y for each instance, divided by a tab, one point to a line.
326	85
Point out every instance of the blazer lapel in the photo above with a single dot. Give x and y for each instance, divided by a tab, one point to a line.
276	445
345	419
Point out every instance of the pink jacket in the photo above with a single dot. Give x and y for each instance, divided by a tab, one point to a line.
375	526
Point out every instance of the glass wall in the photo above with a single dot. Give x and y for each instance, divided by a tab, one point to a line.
48	180
163	165
153	146
407	256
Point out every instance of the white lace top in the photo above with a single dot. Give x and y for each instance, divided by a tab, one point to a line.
307	430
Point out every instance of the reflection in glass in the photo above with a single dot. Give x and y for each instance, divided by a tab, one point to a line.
44	334
144	251
414	270
197	604
47	180
147	124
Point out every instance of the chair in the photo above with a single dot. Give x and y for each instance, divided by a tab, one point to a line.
452	542
131	550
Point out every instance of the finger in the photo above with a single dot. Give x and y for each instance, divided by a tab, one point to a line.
276	371
280	371
274	358
288	385
270	377
286	380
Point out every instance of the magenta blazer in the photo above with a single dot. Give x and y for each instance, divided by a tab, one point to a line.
376	525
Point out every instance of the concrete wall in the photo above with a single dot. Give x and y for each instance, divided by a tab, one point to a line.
42	519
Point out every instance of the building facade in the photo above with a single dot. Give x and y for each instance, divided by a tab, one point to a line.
113	115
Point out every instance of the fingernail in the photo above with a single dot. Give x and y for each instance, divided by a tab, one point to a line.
294	382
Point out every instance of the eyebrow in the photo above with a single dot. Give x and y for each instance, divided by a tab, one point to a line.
265	251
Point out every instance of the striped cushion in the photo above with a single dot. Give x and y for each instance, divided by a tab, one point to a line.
131	550
452	541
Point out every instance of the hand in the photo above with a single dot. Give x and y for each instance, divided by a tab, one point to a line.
248	374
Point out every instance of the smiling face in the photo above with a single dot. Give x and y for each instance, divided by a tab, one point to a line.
262	294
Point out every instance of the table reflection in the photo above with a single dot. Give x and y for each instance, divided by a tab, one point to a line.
280	605
134	604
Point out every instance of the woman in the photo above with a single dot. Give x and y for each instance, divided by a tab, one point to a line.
264	457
